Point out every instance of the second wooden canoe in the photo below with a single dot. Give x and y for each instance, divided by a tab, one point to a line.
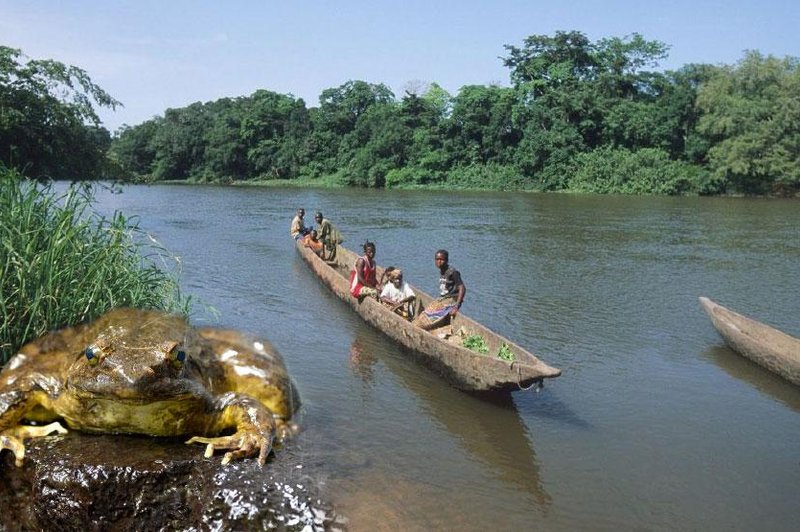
764	345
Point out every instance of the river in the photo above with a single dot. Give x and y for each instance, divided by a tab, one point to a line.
654	423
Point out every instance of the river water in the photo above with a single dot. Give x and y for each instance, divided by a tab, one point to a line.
654	423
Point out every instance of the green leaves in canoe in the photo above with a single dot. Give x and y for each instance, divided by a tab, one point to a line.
505	353
477	343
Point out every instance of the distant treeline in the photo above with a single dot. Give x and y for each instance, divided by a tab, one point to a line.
578	116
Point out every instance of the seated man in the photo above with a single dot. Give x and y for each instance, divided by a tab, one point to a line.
298	230
328	235
451	295
397	294
311	241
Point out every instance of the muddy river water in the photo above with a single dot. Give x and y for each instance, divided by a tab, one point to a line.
654	423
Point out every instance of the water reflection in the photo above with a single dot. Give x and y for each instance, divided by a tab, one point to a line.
362	360
489	428
754	375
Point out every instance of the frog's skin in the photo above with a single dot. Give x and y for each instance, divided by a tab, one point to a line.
147	372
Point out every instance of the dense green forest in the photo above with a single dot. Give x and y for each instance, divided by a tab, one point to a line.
48	123
578	116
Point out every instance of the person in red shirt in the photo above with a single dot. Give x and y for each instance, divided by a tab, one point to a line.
363	281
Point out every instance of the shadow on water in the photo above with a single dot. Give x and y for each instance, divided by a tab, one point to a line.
488	427
548	406
746	370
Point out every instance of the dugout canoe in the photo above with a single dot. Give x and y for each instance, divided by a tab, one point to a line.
464	368
764	345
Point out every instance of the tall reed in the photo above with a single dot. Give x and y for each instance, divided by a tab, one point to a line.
62	263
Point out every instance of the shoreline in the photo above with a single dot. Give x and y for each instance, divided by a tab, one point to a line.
323	183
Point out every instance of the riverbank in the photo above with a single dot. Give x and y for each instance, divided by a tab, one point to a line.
331	183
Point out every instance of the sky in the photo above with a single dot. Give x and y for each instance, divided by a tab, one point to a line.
155	55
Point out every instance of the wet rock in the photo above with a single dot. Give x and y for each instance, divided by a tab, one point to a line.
97	482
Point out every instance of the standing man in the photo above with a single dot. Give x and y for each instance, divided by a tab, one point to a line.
298	228
451	287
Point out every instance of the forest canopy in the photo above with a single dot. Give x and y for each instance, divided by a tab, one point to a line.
48	123
578	116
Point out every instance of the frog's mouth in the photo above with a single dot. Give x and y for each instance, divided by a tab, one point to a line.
145	393
171	416
133	399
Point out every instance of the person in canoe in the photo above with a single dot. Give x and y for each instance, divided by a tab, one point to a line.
397	295
363	280
312	241
328	235
298	229
451	294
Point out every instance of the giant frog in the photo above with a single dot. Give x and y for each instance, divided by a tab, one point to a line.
147	372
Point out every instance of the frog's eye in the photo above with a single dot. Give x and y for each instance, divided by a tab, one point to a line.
92	354
177	355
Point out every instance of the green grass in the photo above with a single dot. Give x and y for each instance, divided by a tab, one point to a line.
62	263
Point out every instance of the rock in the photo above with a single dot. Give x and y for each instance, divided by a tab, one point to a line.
94	482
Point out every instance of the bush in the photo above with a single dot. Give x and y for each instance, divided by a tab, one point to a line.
646	171
412	176
62	263
488	176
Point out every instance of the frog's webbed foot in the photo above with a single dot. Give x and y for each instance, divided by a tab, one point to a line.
243	444
255	425
13	438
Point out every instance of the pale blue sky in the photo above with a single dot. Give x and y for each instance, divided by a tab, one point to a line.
152	55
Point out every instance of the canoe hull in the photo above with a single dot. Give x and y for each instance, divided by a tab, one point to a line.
462	367
764	345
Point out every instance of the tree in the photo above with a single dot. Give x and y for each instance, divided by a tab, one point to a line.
481	125
225	155
340	108
133	150
546	63
377	145
424	114
585	81
48	122
265	127
549	143
332	143
751	115
180	142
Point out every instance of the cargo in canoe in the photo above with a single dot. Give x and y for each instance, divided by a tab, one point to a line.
440	349
764	345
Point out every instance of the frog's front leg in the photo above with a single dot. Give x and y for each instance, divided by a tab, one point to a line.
13	439
21	403
254	423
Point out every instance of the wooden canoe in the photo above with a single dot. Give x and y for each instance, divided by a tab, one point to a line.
768	347
464	368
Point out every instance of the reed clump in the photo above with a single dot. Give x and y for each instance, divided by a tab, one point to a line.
62	263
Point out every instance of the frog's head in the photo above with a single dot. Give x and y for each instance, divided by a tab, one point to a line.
136	356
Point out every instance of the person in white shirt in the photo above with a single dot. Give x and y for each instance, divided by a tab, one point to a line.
298	229
397	294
